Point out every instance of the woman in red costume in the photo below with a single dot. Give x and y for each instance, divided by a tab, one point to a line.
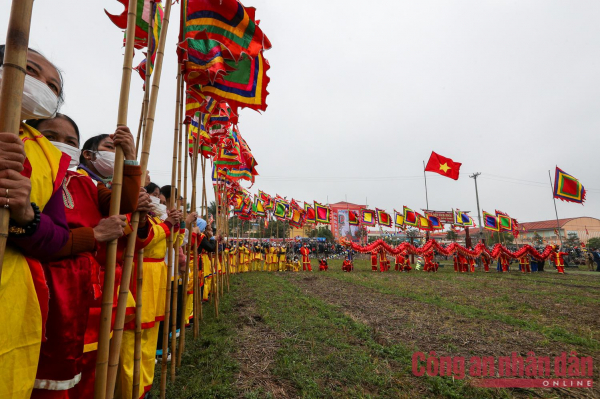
74	275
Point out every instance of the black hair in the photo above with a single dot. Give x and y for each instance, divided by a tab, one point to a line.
91	145
166	191
61	96
151	187
34	123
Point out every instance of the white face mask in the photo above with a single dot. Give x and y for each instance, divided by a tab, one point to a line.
162	211
39	101
71	151
104	163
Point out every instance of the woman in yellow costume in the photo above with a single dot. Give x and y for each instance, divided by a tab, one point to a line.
31	173
244	257
274	251
282	251
154	286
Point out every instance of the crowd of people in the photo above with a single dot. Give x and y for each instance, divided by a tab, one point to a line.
59	195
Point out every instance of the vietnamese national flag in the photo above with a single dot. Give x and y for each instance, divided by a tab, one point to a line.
442	165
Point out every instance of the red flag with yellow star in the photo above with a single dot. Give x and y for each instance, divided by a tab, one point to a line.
442	165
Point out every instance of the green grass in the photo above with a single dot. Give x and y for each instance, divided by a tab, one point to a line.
319	351
553	333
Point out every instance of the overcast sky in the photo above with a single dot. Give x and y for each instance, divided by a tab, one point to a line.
361	93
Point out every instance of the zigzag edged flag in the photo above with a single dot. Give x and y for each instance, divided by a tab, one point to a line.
143	16
383	218
310	213
259	207
490	221
322	213
463	219
266	200
281	209
435	222
352	218
246	86
368	217
227	22
296	219
410	217
567	188
504	222
423	222
399	219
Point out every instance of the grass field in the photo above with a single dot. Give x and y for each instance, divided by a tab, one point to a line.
353	335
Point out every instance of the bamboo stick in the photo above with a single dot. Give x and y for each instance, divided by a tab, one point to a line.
11	91
170	257
115	346
187	255
137	351
177	241
137	344
140	125
196	291
115	203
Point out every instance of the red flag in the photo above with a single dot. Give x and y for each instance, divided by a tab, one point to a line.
442	165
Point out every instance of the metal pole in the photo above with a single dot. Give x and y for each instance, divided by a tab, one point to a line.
474	177
426	197
555	210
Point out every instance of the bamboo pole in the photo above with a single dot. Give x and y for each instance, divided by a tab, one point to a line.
115	346
170	257
140	125
197	309
187	258
177	241
11	91
115	203
137	344
137	351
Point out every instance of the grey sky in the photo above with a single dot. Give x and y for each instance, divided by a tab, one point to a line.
361	93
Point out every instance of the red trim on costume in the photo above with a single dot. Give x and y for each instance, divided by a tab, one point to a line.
41	290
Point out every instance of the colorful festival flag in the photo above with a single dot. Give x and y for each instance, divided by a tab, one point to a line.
410	217
310	213
423	222
504	222
353	218
259	207
435	222
322	213
246	86
567	188
281	210
490	221
367	217
463	219
227	22
442	165
399	219
383	218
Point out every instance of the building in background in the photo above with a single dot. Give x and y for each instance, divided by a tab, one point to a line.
340	226
584	227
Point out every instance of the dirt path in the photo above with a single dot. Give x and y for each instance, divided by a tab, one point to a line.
257	347
428	327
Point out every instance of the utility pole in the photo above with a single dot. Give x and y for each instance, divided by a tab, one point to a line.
474	177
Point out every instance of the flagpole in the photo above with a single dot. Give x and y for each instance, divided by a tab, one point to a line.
426	196
555	209
474	177
100	386
15	62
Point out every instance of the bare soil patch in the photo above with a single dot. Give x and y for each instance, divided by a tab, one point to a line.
256	351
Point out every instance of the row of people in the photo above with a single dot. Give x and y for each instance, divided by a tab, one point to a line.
59	198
